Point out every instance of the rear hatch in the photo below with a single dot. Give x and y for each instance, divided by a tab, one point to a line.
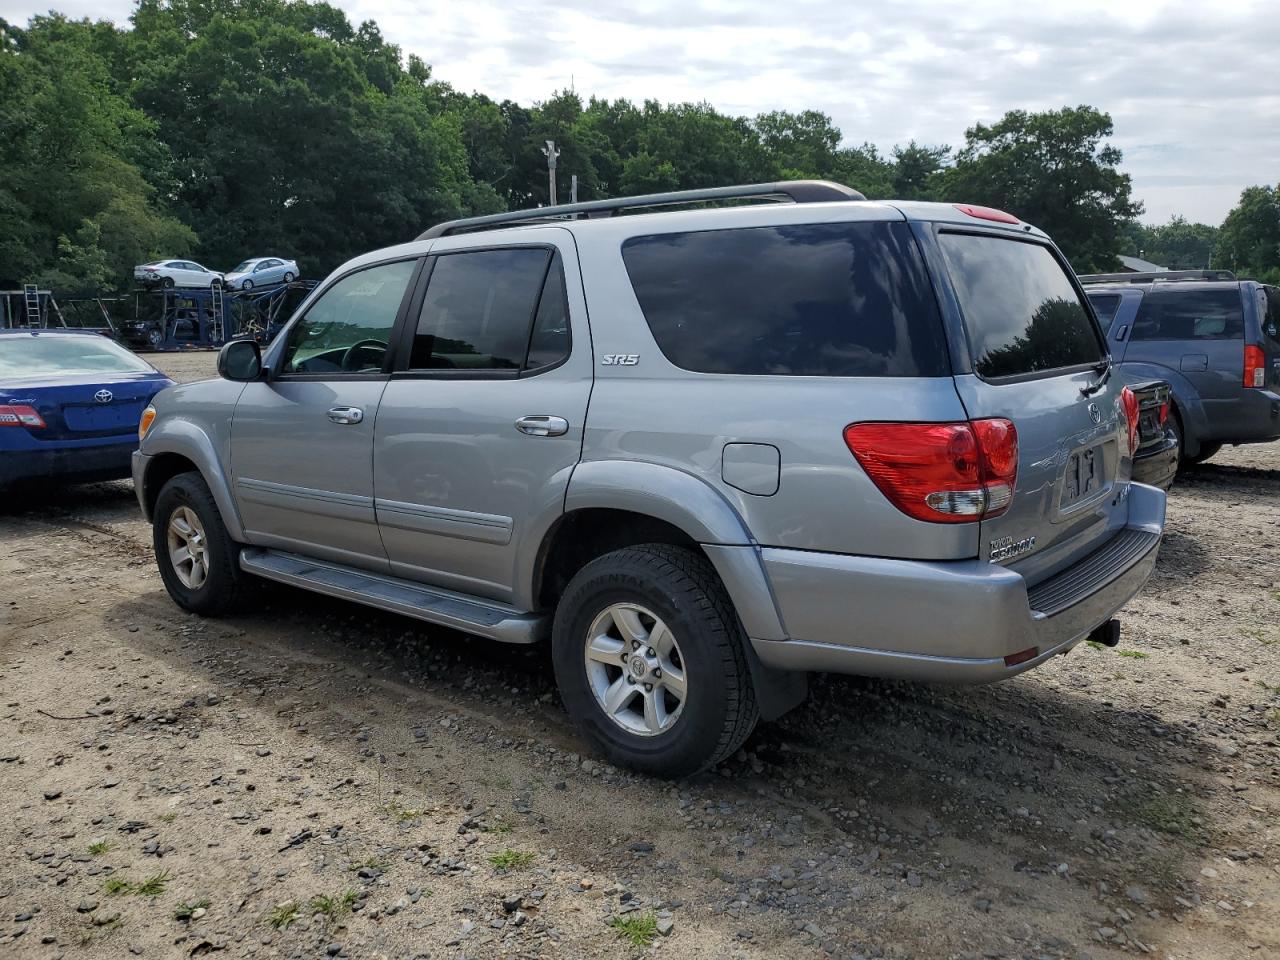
1039	360
1269	342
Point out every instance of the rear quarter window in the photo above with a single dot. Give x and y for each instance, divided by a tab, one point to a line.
1173	314
837	299
1021	311
1105	306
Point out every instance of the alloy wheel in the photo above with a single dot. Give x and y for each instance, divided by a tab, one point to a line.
188	551
635	669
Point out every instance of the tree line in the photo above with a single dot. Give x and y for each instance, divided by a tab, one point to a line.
223	129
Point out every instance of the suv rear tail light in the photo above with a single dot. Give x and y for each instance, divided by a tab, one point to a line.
940	472
986	213
1255	366
19	415
1129	400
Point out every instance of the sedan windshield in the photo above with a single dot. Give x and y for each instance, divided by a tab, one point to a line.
45	356
244	267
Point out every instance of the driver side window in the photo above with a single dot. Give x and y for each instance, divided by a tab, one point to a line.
347	330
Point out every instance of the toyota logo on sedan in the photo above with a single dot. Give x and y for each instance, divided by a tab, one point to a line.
103	396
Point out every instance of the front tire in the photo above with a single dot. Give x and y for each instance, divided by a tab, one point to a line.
650	660
199	562
246	284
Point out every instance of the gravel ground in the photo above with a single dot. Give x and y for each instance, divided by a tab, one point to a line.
318	779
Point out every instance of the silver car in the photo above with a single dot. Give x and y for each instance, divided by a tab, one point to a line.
703	451
175	273
262	272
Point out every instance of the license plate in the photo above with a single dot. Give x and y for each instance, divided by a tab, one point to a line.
1084	475
107	417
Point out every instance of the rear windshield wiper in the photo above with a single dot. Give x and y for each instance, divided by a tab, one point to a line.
1103	367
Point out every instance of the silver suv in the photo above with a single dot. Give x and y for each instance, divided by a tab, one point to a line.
705	450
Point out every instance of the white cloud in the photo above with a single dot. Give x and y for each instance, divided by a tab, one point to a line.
1192	89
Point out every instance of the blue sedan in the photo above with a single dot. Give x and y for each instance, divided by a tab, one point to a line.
70	403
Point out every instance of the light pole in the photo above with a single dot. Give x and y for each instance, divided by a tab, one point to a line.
550	152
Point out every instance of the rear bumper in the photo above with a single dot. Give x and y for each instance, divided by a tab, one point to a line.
1158	465
950	621
80	464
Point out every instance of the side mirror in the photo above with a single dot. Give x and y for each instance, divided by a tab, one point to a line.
240	360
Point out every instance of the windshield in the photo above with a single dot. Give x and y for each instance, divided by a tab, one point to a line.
44	356
244	267
1020	308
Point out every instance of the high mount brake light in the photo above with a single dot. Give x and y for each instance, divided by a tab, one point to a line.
986	213
940	472
1129	401
1255	366
20	415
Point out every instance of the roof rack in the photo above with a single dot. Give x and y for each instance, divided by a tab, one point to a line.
797	191
1157	275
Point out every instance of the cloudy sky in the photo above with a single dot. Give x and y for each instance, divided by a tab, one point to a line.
1194	88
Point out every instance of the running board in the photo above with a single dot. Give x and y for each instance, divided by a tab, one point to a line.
485	618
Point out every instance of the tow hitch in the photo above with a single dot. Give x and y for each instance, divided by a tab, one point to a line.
1108	634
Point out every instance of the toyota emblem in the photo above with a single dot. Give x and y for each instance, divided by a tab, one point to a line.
103	396
1094	413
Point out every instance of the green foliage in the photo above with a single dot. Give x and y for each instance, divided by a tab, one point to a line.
1178	244
511	860
637	929
98	848
1053	169
283	914
1249	241
184	910
333	908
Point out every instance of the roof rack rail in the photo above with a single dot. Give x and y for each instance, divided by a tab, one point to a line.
1157	275
797	191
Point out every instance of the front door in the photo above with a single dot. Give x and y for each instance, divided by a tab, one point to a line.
302	440
481	424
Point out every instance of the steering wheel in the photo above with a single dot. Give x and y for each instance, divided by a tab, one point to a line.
348	362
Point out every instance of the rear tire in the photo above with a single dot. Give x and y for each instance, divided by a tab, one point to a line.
167	283
206	578
288	278
671	594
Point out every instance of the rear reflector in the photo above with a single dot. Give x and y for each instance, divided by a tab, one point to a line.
940	472
1164	413
1255	366
18	415
1129	400
986	213
1022	656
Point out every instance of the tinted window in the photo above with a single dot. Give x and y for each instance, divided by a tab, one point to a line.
1271	314
1105	306
837	299
1173	314
27	356
1020	308
348	328
549	341
478	310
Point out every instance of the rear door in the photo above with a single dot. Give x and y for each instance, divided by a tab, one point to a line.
1199	331
1037	358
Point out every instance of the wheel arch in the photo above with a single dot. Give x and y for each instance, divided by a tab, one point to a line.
175	446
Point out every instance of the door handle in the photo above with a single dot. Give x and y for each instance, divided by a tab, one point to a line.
346	414
543	426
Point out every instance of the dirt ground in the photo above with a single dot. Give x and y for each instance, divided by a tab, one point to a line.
319	779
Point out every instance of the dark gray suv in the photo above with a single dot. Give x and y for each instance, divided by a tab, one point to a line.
1216	340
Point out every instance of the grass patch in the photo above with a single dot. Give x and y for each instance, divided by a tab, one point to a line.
116	887
1272	688
99	848
1169	814
169	817
283	914
333	908
511	859
154	885
185	910
1093	643
401	813
372	863
1133	654
500	827
637	929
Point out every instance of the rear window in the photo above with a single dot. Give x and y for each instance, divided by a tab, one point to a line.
1105	306
1271	315
28	356
1190	315
1020	308
833	299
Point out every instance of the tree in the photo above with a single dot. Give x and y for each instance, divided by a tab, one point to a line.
1178	244
916	169
1249	241
1052	169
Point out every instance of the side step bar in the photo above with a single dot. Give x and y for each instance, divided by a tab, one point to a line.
485	618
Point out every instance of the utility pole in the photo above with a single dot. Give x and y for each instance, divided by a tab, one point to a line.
550	152
573	189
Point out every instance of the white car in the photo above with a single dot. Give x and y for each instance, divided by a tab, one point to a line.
262	272
175	273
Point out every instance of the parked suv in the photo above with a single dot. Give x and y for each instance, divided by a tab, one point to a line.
704	450
1216	340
